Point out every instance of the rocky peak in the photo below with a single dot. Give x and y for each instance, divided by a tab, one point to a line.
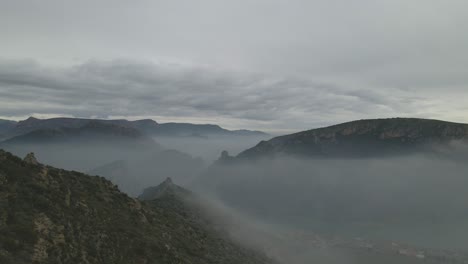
31	119
167	187
167	181
225	157
28	122
31	159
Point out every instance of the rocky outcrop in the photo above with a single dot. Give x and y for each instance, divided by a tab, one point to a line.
31	159
225	158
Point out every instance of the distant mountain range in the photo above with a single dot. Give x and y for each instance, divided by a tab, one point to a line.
96	146
88	131
52	215
84	147
32	123
9	129
362	138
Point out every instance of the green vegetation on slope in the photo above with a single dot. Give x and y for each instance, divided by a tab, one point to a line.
51	215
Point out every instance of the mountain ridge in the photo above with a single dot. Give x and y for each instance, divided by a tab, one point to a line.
148	126
365	137
90	129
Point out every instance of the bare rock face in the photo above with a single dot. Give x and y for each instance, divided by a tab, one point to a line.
31	159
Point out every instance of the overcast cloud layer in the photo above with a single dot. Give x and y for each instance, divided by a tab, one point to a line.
275	65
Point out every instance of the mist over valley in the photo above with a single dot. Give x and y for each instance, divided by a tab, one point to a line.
233	132
371	190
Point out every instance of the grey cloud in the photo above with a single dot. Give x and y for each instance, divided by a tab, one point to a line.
417	43
365	58
142	88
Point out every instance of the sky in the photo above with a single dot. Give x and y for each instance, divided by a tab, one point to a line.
273	65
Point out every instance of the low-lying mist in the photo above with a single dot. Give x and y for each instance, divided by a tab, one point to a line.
420	200
132	167
288	244
295	209
209	148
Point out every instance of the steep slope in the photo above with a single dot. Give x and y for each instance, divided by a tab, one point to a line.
363	138
55	216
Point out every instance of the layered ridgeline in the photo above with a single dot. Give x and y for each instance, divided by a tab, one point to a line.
363	138
92	132
52	215
198	140
150	127
94	146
